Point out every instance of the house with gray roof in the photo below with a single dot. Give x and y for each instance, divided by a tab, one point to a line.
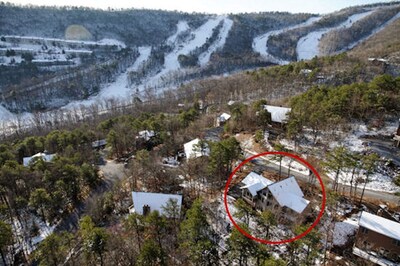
146	202
284	198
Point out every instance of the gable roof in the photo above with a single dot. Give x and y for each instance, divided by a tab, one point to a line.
154	200
146	134
288	193
380	225
255	182
278	114
224	117
45	157
193	151
99	143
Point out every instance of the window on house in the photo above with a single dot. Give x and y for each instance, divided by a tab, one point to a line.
364	230
396	242
268	203
367	245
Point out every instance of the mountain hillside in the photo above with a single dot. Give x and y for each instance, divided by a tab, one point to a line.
54	57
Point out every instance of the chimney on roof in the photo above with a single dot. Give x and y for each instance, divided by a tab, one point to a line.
146	210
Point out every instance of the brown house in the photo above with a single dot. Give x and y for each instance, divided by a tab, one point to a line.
283	198
378	237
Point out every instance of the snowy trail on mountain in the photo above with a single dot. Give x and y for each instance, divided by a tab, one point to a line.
308	46
5	114
204	58
375	31
119	88
182	26
260	43
171	62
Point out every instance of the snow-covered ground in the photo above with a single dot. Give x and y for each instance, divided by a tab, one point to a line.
344	230
308	46
182	26
22	231
119	88
198	38
5	114
204	58
260	43
50	49
353	142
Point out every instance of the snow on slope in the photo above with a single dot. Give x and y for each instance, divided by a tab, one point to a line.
200	36
182	26
5	114
260	43
308	46
119	88
204	58
375	31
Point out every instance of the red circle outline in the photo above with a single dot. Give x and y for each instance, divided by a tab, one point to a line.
264	241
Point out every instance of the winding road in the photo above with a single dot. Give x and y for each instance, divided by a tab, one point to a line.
371	194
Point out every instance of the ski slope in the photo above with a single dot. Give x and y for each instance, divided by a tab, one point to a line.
118	89
308	46
260	43
182	26
199	37
375	31
204	58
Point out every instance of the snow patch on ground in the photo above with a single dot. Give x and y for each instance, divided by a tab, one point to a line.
344	230
29	244
112	42
260	43
377	181
308	46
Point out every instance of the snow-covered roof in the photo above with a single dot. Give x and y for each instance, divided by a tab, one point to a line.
156	201
278	114
224	117
192	150
380	225
288	193
255	182
99	143
146	134
45	157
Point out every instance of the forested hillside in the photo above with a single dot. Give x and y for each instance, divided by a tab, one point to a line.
80	56
134	27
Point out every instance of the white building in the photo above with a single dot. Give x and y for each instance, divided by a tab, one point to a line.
222	119
145	202
193	150
278	114
146	134
41	155
264	194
